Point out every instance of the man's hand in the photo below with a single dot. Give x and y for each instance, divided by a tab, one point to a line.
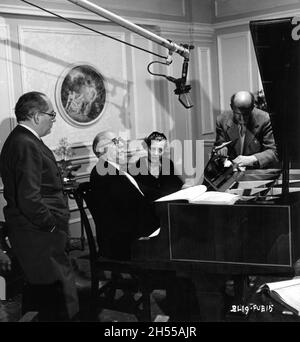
242	161
5	262
222	152
188	183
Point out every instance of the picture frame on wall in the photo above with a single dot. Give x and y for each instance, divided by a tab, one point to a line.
81	94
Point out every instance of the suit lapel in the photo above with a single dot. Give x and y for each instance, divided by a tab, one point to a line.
248	139
250	133
234	136
46	150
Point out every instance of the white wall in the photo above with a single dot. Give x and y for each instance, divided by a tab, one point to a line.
36	49
226	10
237	65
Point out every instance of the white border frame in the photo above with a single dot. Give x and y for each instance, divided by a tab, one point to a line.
58	101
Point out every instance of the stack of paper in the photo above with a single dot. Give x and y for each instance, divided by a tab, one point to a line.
215	197
198	194
286	292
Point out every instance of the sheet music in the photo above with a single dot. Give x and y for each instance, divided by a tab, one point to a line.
184	194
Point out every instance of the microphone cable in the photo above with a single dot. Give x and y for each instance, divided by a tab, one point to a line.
161	75
93	30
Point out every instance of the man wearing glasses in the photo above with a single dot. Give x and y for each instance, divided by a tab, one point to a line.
120	210
37	212
249	131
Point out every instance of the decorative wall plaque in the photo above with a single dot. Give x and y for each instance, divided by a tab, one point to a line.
81	95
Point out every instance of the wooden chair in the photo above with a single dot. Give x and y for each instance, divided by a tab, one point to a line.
108	276
30	316
14	277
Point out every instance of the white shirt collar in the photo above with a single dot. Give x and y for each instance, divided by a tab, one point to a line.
130	178
31	130
115	165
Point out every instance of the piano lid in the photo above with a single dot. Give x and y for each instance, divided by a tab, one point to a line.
278	57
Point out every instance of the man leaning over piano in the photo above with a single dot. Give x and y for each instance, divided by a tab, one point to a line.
249	131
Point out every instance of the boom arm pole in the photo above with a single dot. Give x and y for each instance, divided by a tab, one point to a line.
171	46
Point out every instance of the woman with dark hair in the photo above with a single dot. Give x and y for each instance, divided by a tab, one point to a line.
155	173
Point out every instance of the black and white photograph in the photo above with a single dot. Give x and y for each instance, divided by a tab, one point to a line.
150	164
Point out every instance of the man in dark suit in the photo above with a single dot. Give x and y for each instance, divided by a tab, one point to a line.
5	262
37	212
121	212
250	131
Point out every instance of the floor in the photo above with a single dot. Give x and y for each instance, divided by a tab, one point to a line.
81	266
210	302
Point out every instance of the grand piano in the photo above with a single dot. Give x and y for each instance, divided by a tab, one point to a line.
259	236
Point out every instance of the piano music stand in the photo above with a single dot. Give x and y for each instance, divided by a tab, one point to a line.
278	57
137	280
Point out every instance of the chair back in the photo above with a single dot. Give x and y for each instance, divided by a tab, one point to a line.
3	237
82	196
130	277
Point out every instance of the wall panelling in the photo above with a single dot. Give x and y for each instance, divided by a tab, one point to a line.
6	93
235	65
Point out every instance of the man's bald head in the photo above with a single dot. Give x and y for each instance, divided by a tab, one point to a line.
243	100
242	104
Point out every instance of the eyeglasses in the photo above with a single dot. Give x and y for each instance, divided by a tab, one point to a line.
117	141
242	111
52	114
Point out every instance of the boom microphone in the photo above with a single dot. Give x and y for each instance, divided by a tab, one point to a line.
182	89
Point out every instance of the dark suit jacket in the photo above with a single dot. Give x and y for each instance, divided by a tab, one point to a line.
121	212
153	188
33	191
259	139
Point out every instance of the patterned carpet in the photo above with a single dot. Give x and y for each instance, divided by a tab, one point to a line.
82	270
10	309
209	301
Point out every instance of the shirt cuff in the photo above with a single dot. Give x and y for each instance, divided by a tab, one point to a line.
52	229
255	161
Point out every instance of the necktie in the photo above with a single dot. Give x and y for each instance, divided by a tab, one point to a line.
242	130
242	135
132	180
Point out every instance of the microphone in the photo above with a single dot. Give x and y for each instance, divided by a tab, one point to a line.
182	89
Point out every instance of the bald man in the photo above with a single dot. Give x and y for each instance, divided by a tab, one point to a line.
121	211
250	131
37	212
